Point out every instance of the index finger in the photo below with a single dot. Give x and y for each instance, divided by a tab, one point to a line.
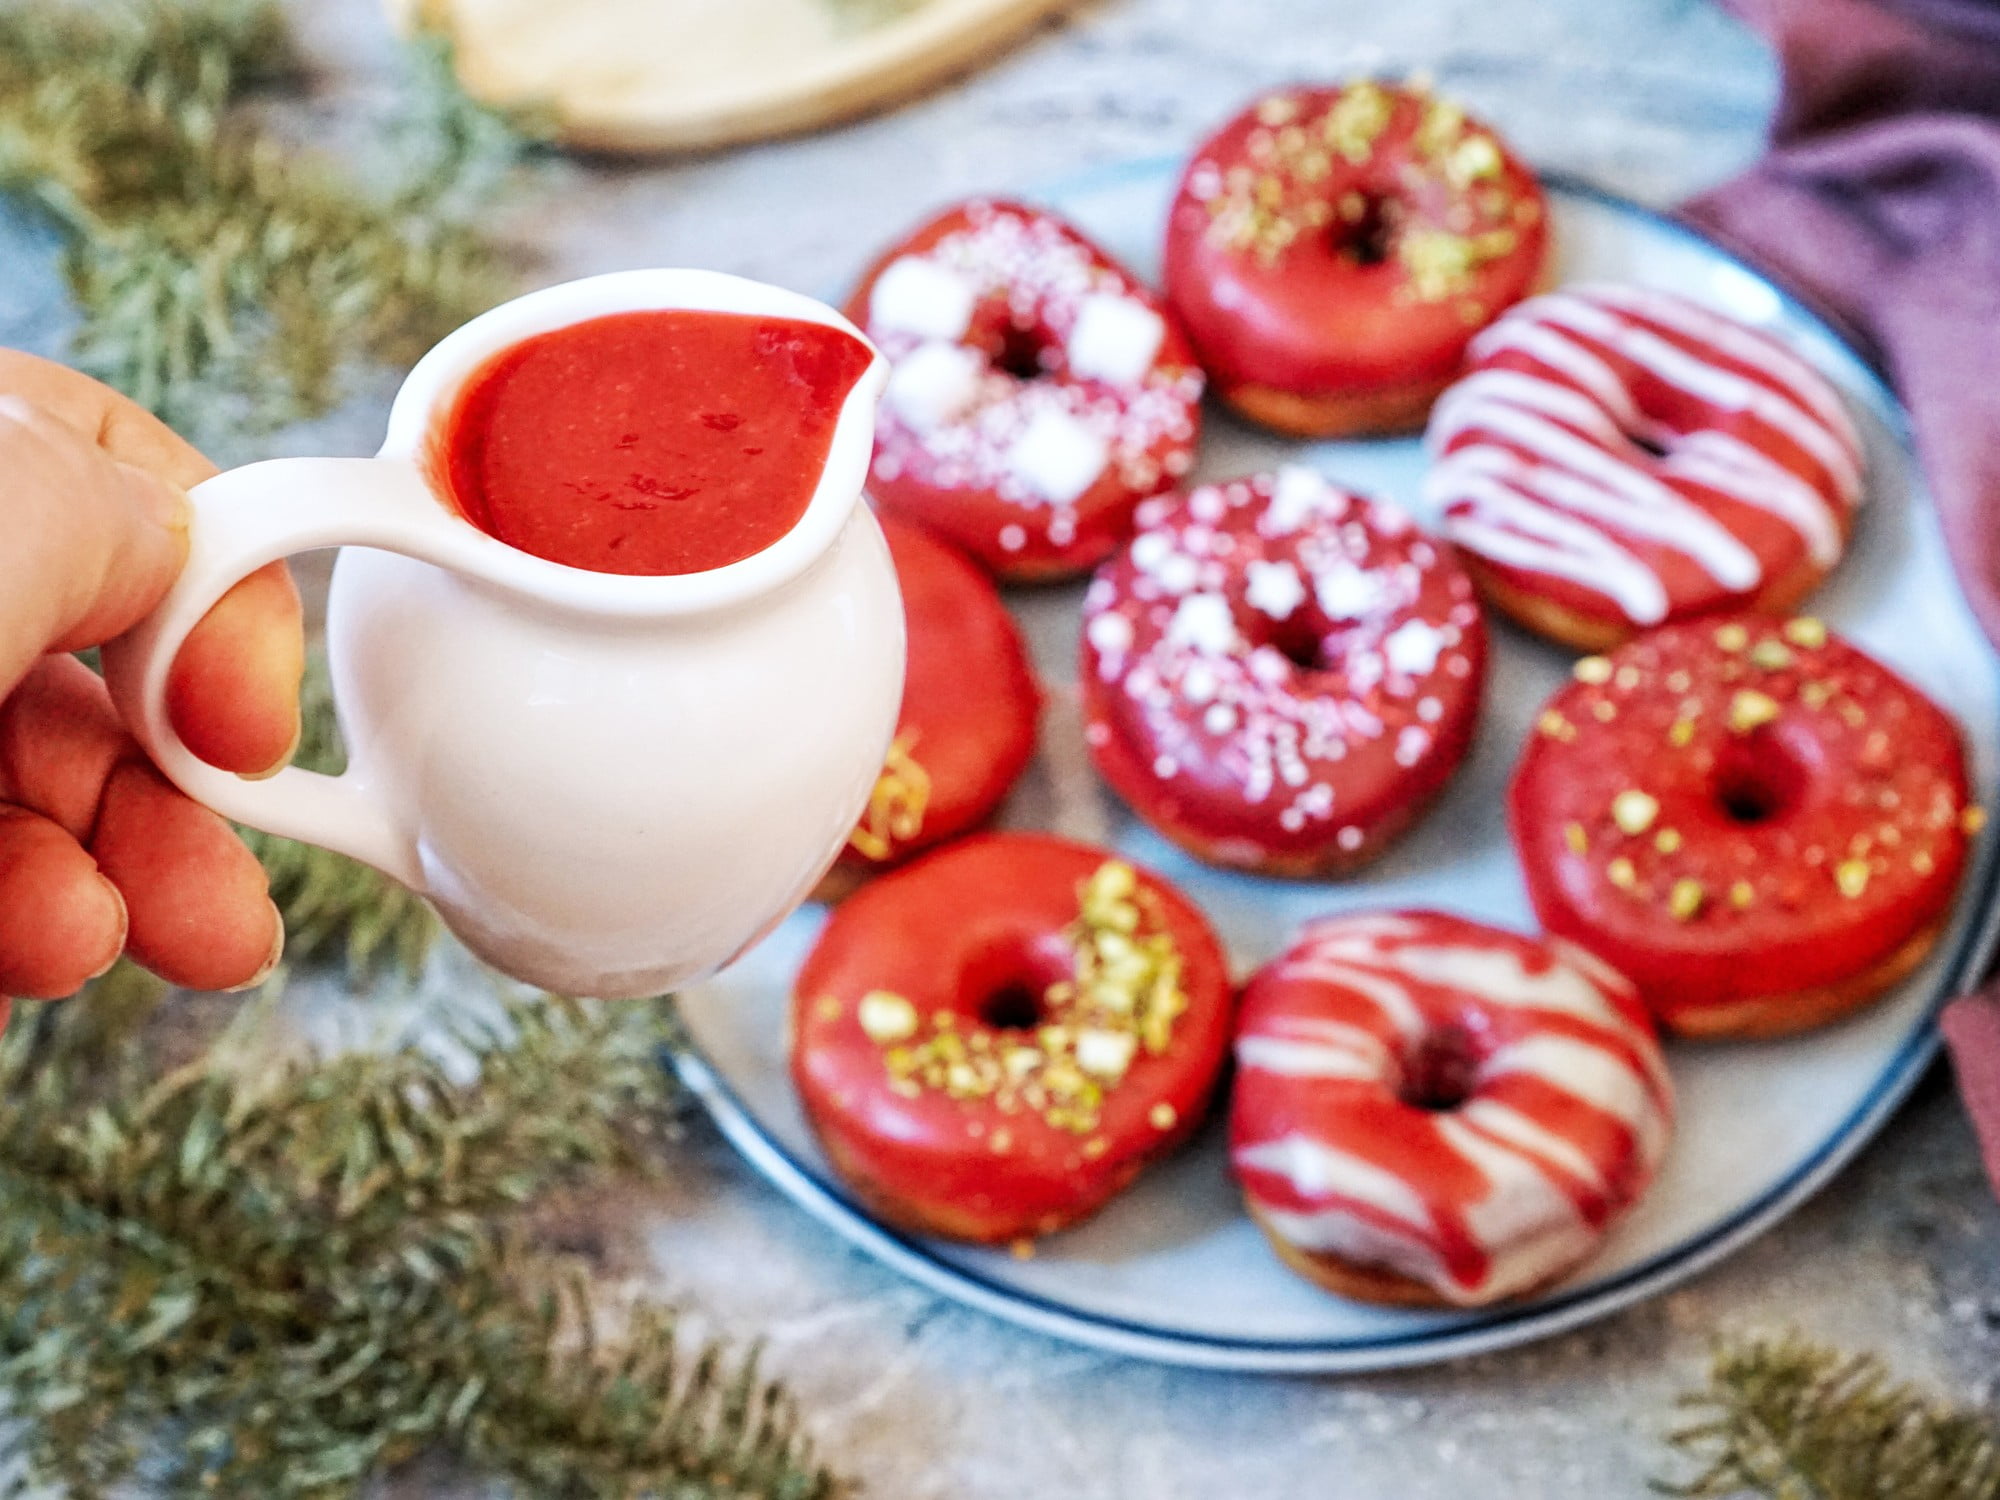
233	692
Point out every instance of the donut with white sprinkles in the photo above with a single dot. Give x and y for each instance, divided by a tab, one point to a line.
1280	675
1618	458
1038	392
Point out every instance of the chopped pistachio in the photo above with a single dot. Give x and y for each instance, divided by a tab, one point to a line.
886	1018
1750	709
1685	899
1595	670
1633	811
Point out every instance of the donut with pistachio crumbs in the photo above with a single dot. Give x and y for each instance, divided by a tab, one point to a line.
967	725
1278	674
1429	1111
1618	457
1331	250
1038	390
1758	824
992	1042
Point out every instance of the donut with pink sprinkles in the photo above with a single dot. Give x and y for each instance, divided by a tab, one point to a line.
1278	674
1038	391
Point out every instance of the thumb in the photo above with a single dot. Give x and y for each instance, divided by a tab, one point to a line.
88	545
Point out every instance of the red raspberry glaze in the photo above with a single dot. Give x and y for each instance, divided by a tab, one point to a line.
957	1071
1739	812
1200	713
1343	244
969	704
1461	1109
1039	390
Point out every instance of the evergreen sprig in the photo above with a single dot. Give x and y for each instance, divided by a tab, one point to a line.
282	1283
1784	1419
224	278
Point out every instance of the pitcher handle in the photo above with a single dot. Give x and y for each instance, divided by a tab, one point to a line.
242	520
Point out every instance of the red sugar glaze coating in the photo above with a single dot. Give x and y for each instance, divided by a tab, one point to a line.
948	1123
999	438
658	442
1622	457
1727	811
1199	711
1345	243
967	726
1459	1106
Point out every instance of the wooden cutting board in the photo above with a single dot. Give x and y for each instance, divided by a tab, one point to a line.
673	75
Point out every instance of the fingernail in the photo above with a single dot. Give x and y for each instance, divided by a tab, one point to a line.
166	503
298	735
124	929
270	964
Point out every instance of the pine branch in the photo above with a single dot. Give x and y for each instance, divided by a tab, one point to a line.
223	280
1786	1420
283	1286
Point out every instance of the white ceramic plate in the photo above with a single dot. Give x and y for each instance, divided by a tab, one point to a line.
1172	1270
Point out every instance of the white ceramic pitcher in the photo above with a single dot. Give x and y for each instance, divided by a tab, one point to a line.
608	785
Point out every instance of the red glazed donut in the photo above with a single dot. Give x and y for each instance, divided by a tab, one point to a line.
1331	250
1429	1111
1279	675
993	1041
969	704
1620	457
1759	825
1038	390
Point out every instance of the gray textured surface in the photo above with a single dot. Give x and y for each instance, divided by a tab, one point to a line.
917	1397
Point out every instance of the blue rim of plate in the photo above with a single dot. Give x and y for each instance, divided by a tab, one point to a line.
1499	1328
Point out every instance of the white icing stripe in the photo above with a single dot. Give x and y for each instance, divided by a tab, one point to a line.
1534	394
1747	346
1337	1233
1676	366
1271	1054
1517	1130
1727	464
1586	1072
1591	482
1563	355
1498	977
1317	1170
1526	1213
1388	996
1543	541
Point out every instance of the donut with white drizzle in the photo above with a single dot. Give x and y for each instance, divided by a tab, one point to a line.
1618	457
1280	675
1038	390
992	1042
1331	250
1429	1111
1756	823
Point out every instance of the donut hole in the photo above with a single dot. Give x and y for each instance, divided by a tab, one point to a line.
1443	1073
1021	353
1015	1006
1648	444
1757	779
1364	228
1006	983
1297	641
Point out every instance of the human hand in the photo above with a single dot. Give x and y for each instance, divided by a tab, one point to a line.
99	855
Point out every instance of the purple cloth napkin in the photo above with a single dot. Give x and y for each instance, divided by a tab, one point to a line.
1880	202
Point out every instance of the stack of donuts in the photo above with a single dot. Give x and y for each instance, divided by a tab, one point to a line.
1730	822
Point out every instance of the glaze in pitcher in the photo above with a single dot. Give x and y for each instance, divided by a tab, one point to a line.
608	784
